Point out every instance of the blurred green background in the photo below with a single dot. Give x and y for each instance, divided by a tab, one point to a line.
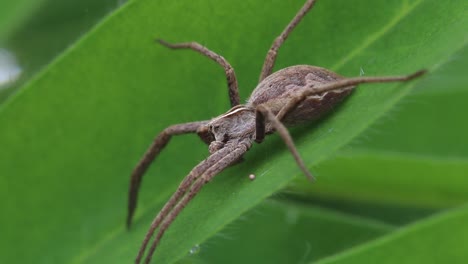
83	90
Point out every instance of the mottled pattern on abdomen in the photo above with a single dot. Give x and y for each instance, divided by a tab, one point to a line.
314	107
276	90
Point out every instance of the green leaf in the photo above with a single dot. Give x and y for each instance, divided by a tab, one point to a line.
45	33
413	157
14	13
71	137
390	178
429	122
289	233
439	239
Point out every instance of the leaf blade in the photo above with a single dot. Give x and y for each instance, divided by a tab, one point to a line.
106	81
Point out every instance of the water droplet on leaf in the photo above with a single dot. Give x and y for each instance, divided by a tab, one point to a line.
195	249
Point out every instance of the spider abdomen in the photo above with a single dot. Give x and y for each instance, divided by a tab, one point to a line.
276	91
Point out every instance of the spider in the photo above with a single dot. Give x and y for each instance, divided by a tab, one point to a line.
289	96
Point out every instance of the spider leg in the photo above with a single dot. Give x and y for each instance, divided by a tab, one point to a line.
231	152
156	147
262	113
230	74
348	82
271	55
212	160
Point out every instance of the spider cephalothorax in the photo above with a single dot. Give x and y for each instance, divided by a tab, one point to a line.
239	122
289	96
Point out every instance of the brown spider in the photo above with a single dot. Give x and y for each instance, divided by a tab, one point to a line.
289	96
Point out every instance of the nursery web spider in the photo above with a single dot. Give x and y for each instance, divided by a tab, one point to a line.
289	96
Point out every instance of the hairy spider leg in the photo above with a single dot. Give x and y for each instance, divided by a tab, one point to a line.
263	112
153	151
228	69
181	190
313	90
273	52
200	175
